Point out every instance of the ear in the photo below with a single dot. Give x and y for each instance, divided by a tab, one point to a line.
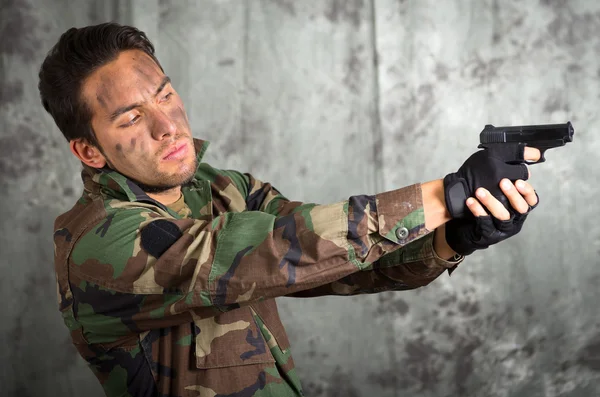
90	155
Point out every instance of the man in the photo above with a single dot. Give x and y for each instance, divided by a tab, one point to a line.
167	267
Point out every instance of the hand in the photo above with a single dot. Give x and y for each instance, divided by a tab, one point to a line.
521	196
486	168
465	236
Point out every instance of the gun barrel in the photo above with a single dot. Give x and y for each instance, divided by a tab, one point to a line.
560	134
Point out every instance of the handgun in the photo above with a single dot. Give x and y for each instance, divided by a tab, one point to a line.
542	137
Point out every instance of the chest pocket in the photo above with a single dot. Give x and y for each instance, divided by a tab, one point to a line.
230	339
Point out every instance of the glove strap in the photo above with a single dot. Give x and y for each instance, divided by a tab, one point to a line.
455	193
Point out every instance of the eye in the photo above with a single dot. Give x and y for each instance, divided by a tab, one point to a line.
132	122
167	97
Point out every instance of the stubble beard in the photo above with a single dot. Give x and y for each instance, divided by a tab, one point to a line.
164	185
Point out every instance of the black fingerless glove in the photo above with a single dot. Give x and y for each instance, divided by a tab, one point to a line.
465	236
485	168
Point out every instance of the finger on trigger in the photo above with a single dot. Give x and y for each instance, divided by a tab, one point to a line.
532	154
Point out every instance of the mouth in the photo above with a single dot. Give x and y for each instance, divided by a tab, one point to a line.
176	152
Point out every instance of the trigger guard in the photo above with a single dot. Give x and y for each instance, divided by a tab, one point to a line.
541	160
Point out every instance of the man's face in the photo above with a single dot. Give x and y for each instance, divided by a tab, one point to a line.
140	123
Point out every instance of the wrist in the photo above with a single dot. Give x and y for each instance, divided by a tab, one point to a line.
434	204
440	245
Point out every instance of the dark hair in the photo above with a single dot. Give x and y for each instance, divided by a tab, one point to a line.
78	53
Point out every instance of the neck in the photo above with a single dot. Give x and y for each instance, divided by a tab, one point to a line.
167	197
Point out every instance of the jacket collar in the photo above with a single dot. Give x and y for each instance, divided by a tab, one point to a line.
119	186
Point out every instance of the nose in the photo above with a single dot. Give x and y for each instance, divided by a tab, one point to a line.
163	126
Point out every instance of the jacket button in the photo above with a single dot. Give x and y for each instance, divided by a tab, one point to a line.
402	233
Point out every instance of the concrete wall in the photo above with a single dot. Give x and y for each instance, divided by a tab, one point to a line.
328	98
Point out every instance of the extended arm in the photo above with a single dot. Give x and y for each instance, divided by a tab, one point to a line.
414	265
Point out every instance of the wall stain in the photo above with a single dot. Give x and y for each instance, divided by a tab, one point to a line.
341	384
94	14
482	71
166	11
226	62
377	153
254	136
354	68
450	300
529	311
469	308
400	306
314	351
390	110
462	335
11	92
416	111
289	6
448	331
403	7
441	71
34	227
554	103
496	30
31	289
20	153
345	10
423	365
554	4
391	302
385	379
589	355
573	31
18	30
313	389
464	364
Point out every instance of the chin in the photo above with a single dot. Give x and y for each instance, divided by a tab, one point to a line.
188	170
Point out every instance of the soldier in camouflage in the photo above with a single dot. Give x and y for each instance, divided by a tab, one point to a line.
167	268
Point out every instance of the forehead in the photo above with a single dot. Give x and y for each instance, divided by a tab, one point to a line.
132	77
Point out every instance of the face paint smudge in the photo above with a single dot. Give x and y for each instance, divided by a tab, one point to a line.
148	69
147	74
103	94
180	116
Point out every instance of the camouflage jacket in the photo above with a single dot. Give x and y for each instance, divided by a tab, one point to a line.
165	303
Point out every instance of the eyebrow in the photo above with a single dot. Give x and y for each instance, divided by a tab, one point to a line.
124	109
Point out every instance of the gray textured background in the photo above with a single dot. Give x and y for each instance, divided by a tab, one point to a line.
326	99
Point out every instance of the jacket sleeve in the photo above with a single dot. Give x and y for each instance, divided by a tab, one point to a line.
141	267
414	265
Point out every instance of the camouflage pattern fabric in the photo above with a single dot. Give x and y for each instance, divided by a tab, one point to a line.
171	302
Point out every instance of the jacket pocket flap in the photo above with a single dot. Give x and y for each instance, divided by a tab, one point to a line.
229	339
